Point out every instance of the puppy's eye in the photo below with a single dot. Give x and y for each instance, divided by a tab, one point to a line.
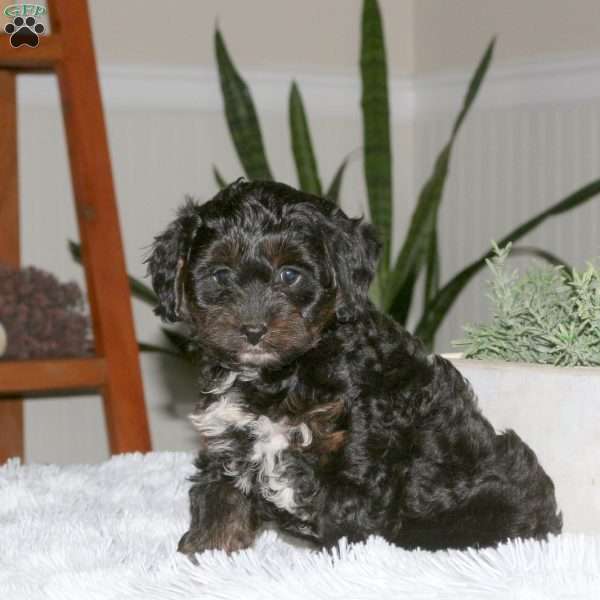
222	276
289	276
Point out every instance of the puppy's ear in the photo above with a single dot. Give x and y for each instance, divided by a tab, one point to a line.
354	250
168	260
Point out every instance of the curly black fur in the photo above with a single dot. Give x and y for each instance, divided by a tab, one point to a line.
318	411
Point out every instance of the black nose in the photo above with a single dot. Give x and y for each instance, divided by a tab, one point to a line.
254	333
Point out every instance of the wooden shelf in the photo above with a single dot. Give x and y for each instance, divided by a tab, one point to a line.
22	376
45	56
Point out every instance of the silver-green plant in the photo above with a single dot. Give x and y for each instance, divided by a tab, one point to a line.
549	315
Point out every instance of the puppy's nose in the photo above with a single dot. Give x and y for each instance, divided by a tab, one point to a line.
254	333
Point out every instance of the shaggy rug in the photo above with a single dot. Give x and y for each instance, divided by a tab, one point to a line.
109	531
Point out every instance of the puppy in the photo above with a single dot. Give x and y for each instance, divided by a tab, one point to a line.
317	411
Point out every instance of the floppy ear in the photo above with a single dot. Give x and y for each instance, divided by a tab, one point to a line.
168	260
354	250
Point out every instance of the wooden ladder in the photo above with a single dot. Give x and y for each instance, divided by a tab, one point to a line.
114	371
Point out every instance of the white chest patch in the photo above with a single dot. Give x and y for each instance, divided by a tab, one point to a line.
219	417
264	467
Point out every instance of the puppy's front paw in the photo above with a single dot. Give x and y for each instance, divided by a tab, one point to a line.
301	474
291	484
229	538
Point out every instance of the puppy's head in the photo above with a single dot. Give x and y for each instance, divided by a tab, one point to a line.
260	270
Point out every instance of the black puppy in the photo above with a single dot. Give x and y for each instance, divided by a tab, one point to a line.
317	411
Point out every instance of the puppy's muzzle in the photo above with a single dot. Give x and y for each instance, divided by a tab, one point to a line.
254	332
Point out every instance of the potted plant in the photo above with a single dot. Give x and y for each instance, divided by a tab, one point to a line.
417	262
536	369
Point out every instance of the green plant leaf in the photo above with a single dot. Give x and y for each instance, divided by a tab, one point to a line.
75	251
180	341
376	128
138	289
432	273
221	183
144	347
241	116
187	347
423	226
333	192
400	309
375	291
302	148
141	291
445	298
546	256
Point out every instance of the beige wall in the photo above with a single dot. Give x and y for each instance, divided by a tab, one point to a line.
323	36
453	33
267	34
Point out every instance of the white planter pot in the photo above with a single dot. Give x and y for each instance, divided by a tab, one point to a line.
556	411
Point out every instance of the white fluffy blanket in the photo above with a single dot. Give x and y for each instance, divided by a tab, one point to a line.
109	531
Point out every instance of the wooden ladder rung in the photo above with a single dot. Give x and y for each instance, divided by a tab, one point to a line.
24	376
44	56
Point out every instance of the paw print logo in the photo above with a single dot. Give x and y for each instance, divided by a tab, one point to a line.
24	32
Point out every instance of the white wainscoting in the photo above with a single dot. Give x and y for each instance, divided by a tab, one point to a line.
533	138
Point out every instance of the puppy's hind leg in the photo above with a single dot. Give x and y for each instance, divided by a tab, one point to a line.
511	497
